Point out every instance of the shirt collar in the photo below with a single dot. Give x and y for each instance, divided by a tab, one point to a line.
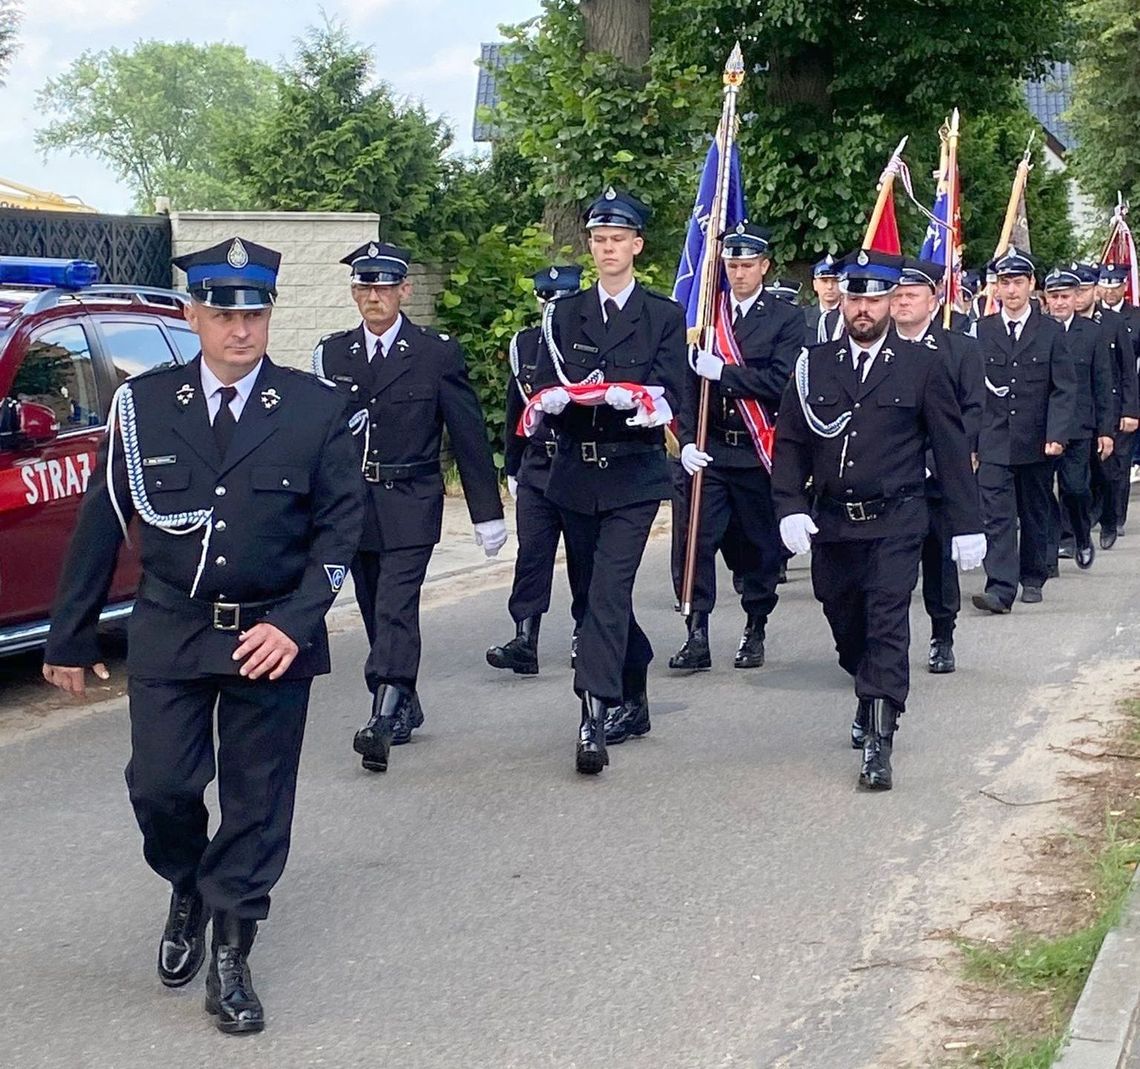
871	350
211	383
745	306
1069	322
1117	307
618	298
387	339
919	336
1020	320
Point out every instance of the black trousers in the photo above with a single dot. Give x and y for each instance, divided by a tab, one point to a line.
387	587
743	495
941	592
609	546
865	588
538	525
1074	481
260	728
1017	504
1111	486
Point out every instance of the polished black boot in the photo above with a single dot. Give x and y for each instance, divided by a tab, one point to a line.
861	724
374	740
750	652
409	715
875	774
694	655
520	655
183	946
574	649
229	986
941	658
591	756
631	718
1085	555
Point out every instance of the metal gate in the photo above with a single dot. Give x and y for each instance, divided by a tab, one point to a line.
131	249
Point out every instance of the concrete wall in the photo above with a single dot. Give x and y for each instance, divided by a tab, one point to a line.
313	295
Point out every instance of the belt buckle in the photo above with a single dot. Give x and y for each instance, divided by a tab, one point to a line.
371	471
551	448
589	452
732	437
856	512
220	609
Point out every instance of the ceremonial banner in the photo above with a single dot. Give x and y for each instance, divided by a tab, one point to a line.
943	243
1120	251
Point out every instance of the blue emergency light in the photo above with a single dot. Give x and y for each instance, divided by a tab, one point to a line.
45	271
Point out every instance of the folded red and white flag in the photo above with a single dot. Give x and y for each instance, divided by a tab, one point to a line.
652	408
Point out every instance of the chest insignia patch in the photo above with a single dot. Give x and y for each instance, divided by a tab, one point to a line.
579	347
185	394
270	398
336	574
402	344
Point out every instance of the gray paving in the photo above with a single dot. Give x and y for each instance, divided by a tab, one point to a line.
698	905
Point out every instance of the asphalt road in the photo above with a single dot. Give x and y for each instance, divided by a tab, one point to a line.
708	901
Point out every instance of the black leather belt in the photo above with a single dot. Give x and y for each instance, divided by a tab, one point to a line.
547	447
375	472
733	438
601	453
862	511
221	615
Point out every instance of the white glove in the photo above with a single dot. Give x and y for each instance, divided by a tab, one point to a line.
620	398
513	487
968	550
796	531
662	414
553	401
707	365
692	459
491	535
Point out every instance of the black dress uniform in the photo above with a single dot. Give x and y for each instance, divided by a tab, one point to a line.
736	485
941	591
397	405
851	453
259	528
538	523
1030	400
813	331
609	478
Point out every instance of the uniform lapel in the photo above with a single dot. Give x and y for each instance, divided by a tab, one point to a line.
386	369
258	417
752	322
880	367
843	372
592	325
627	320
192	424
1029	331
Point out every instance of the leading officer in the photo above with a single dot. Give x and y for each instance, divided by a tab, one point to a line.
854	424
403	384
241	475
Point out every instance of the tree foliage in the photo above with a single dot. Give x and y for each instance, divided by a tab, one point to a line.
161	115
831	88
10	15
1106	108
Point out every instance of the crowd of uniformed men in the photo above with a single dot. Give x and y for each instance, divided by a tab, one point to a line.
899	445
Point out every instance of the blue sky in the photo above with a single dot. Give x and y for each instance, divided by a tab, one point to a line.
424	48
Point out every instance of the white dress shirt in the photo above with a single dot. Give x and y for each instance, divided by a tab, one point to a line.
618	298
211	385
871	350
1020	321
742	308
385	340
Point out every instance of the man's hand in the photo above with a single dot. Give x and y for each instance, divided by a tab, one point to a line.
1054	449
968	550
1128	424
796	531
553	401
662	415
1104	447
491	535
707	365
73	680
693	459
620	398
266	650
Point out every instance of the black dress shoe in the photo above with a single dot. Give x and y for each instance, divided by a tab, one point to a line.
183	946
1066	553
409	716
1085	556
374	740
750	652
694	655
1107	538
630	720
1031	595
229	986
876	773
990	603
861	724
941	659
1053	570
591	757
520	655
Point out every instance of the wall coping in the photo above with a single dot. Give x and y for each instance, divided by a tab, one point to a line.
316	217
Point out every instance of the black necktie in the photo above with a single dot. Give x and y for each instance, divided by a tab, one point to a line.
612	310
224	422
737	316
1013	331
857	362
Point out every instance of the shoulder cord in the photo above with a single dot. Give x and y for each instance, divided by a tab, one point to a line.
122	419
319	359
360	421
997	391
593	378
516	365
817	426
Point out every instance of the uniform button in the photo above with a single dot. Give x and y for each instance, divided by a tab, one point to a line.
850	491
220	561
355	388
1013	411
854	434
1012	381
158	483
896	400
1015	363
858	405
851	463
220	491
284	482
220	525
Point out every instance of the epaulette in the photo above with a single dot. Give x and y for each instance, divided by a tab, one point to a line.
433	333
308	376
152	372
336	334
659	296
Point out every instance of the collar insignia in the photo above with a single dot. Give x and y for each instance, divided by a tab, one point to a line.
354	347
185	394
237	257
929	342
270	398
402	344
887	354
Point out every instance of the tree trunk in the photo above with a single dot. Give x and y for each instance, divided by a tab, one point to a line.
562	219
620	28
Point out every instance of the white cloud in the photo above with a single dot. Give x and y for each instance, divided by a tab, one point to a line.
99	12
